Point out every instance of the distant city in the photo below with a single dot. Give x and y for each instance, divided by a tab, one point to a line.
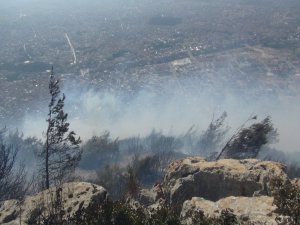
252	45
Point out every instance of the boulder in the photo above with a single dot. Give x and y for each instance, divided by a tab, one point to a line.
72	196
256	210
213	180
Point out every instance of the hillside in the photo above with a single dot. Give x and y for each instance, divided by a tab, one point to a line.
238	189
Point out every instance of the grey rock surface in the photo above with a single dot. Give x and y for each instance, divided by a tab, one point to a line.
74	196
213	180
257	210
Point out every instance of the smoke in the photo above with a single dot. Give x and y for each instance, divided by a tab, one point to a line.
171	106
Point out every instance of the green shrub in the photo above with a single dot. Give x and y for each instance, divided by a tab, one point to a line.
287	199
123	213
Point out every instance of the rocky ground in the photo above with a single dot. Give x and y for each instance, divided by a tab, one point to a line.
194	183
74	197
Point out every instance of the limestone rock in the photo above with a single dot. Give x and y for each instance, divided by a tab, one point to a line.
296	181
74	196
257	210
213	180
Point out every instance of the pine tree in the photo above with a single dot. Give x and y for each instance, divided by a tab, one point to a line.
61	152
247	142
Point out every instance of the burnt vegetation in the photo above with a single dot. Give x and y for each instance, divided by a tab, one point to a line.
13	181
245	45
125	166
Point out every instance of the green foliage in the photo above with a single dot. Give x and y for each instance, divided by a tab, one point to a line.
227	217
198	217
164	215
287	199
108	213
61	152
123	213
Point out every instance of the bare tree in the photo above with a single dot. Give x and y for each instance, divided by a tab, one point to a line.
164	148
135	146
7	161
13	182
61	152
213	136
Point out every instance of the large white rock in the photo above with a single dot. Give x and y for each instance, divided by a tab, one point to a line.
75	196
258	210
213	180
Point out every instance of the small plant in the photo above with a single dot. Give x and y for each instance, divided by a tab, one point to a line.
227	217
287	199
164	215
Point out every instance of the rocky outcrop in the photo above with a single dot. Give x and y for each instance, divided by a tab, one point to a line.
193	183
213	180
257	210
151	196
72	196
296	181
